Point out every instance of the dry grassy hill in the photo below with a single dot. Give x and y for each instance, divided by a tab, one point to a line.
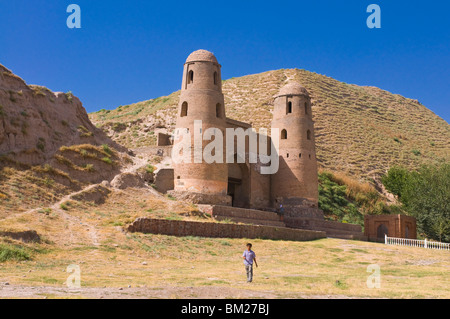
48	146
360	131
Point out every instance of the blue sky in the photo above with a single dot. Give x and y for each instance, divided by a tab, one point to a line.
129	51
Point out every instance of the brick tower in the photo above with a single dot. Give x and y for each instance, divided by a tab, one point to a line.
296	182
201	99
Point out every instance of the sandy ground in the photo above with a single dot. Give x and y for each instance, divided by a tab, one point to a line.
45	292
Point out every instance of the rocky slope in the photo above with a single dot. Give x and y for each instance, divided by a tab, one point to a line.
48	146
360	131
35	122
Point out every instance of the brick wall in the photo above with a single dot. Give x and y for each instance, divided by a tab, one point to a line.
313	223
202	229
164	139
164	180
229	211
395	224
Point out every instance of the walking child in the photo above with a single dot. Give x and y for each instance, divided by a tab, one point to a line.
249	256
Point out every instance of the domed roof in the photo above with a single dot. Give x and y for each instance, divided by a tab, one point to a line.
201	55
293	88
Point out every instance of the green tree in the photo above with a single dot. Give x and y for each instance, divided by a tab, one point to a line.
425	194
396	180
441	226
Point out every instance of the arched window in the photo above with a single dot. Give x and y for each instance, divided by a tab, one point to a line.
219	110
191	77
306	108
283	134
215	78
287	155
184	109
308	135
300	155
289	108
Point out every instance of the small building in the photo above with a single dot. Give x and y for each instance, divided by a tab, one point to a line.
399	226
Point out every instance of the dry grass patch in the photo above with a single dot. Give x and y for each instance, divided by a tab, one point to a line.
86	235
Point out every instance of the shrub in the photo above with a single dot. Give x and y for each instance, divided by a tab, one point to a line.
69	96
344	199
118	127
84	153
89	167
47	169
48	182
38	91
150	169
84	132
45	211
333	200
157	159
107	149
13	252
87	150
107	160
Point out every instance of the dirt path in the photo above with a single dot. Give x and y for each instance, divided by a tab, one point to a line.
13	291
73	220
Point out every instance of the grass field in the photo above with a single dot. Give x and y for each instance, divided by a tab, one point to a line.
190	267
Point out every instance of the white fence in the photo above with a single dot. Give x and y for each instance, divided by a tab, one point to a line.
416	243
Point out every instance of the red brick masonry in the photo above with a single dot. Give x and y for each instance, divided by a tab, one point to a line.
221	230
399	226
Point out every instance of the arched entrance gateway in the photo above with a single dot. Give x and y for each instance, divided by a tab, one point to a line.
382	230
398	226
239	184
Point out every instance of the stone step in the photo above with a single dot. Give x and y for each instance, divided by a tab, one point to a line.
252	221
236	212
333	229
311	223
344	234
265	218
350	237
339	231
